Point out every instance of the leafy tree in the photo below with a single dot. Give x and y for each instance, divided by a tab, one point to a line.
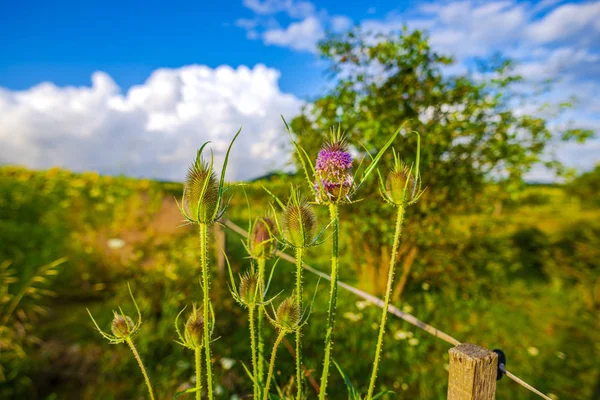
471	133
587	186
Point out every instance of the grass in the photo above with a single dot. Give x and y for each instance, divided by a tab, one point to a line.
482	280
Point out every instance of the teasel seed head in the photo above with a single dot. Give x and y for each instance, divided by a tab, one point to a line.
201	195
263	242
194	329
299	222
122	326
249	291
288	315
400	184
333	170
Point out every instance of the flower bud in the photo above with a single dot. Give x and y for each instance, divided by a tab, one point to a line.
333	167
194	329
262	238
199	206
122	326
248	289
299	222
288	314
400	184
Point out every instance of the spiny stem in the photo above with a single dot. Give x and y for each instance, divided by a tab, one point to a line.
253	348
206	303
299	255
198	354
334	214
139	360
272	364
259	331
388	293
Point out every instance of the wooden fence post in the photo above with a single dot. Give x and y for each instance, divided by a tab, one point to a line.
472	374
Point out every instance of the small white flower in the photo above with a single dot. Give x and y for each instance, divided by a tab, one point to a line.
533	351
362	304
354	317
401	335
227	363
413	341
115	243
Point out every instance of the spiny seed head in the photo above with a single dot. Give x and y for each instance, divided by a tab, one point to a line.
400	184
249	291
122	326
194	329
200	206
288	314
262	239
332	170
299	222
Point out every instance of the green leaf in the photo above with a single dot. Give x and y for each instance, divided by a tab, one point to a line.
352	393
378	395
192	390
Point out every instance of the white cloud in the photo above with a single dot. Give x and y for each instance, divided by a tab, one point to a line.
340	23
567	22
155	128
295	9
302	36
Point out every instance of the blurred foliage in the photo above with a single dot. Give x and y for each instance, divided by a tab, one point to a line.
471	133
522	278
587	187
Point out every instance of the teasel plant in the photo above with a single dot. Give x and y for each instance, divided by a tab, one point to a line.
288	318
401	188
250	294
299	228
193	339
261	246
123	330
331	181
203	203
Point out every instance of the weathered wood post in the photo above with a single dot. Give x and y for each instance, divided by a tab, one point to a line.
472	374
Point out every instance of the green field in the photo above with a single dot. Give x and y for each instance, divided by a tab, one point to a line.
520	275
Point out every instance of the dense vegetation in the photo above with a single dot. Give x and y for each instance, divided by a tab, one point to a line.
522	276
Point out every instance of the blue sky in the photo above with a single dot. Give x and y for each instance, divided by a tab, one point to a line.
134	87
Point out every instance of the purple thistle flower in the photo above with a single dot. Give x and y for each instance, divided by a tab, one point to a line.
332	168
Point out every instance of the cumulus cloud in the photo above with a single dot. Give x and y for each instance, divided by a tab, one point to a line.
568	22
153	129
302	35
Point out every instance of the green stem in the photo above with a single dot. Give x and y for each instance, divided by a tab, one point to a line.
261	317
139	360
272	364
253	348
206	304
299	255
388	293
335	219
198	354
